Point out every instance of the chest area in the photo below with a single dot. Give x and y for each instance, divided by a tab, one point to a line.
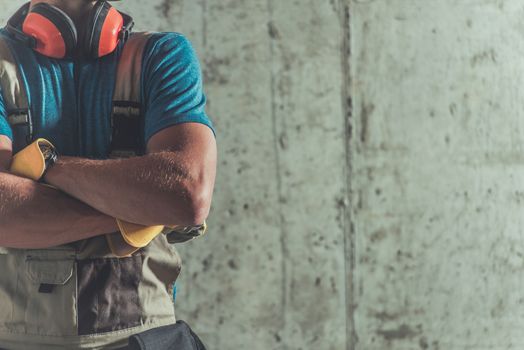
71	103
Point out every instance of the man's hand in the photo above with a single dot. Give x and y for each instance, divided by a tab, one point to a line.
171	185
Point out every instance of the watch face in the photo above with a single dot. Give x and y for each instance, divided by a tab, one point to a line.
49	152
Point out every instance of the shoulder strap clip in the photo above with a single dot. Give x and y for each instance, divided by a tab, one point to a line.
21	117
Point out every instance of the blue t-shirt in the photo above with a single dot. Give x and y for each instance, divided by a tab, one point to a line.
71	100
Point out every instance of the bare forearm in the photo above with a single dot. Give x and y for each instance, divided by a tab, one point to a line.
149	190
36	216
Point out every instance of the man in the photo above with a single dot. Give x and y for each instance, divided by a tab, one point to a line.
86	297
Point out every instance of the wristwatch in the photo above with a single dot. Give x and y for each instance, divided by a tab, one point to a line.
50	157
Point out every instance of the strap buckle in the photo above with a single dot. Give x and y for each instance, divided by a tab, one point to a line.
22	116
127	130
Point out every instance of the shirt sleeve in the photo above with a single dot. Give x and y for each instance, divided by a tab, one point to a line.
5	128
172	89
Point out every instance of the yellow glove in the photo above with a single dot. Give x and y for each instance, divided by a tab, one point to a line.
138	236
133	237
32	161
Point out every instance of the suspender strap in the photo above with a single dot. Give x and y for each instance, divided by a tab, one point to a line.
127	121
127	87
15	96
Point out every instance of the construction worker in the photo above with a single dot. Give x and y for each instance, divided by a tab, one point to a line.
107	158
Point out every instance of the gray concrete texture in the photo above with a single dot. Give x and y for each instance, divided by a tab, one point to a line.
369	189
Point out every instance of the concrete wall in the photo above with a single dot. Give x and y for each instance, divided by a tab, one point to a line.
437	166
369	185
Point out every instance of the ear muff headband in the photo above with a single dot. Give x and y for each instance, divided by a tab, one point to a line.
14	22
54	31
93	28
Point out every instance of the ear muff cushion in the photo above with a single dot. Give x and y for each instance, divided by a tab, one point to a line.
111	29
49	41
55	32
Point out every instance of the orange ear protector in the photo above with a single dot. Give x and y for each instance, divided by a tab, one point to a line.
51	32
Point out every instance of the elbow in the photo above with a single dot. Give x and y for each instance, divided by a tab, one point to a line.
200	194
200	204
193	210
200	211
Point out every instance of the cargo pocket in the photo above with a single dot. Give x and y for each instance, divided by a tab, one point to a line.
46	293
108	294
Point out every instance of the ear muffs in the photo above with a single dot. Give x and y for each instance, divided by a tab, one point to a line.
54	31
103	30
51	32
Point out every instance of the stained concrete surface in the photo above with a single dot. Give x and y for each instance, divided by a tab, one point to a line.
436	159
368	194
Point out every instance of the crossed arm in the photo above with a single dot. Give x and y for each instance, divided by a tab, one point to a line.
171	185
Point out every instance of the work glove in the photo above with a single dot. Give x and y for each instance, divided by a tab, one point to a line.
133	237
33	161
